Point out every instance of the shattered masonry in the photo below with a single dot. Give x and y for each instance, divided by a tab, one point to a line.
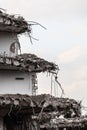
9	23
44	109
27	62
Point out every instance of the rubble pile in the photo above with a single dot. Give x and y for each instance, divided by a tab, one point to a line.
27	62
73	123
61	106
11	23
46	111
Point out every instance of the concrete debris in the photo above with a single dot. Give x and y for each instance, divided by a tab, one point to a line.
42	103
27	62
65	123
42	112
11	23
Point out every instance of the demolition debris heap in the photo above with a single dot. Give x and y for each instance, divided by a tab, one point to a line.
41	112
9	23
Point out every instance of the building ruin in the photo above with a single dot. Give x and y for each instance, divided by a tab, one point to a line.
20	107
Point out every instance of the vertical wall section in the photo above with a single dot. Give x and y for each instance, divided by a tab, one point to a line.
14	82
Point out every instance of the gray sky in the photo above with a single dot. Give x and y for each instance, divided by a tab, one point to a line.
64	42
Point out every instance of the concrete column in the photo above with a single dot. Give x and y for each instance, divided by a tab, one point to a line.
64	128
1	123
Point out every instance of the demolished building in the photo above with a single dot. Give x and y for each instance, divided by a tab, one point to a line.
20	107
41	112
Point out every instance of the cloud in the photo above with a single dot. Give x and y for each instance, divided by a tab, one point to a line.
73	72
71	55
48	9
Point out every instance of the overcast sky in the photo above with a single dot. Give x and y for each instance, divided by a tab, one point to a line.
64	42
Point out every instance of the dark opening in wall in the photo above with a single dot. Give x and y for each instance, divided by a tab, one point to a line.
19	78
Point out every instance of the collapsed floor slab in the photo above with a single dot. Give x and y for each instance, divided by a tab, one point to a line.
40	112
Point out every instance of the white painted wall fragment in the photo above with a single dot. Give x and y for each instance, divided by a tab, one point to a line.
13	82
6	42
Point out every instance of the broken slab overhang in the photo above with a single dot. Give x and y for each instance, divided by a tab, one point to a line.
27	62
40	104
11	23
44	109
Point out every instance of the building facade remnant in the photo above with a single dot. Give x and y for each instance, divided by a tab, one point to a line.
18	70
